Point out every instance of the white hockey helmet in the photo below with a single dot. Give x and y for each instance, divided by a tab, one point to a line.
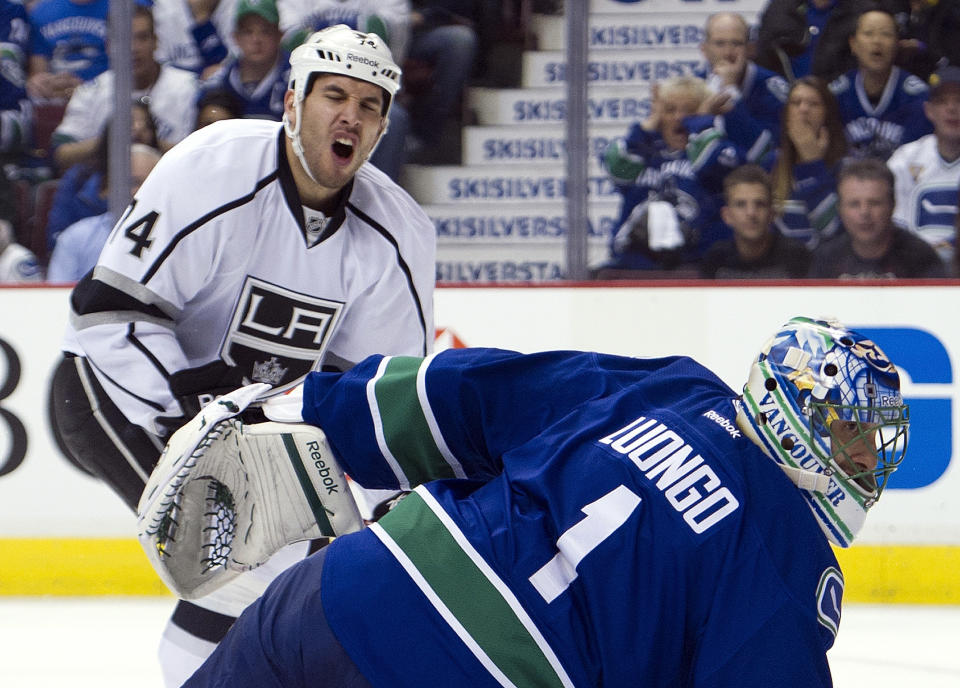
342	50
818	394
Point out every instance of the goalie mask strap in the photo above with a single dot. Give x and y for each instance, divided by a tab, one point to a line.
807	480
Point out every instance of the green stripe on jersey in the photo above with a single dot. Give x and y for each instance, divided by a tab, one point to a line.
405	428
468	594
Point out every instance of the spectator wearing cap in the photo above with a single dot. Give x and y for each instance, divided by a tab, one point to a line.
257	75
927	171
872	246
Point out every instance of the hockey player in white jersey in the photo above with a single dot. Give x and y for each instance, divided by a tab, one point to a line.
927	171
255	252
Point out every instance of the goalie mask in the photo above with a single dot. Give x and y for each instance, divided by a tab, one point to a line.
344	51
824	402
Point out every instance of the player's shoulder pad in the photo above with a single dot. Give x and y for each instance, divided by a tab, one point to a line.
914	85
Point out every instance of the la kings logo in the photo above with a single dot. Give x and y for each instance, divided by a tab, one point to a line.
277	335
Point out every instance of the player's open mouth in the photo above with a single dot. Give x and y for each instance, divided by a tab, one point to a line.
342	149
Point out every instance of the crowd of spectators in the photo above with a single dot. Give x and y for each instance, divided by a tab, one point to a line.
814	85
194	62
820	152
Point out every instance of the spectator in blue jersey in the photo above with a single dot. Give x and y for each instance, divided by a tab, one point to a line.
78	247
872	246
757	250
670	182
880	104
258	74
749	97
801	37
15	109
69	46
812	146
592	519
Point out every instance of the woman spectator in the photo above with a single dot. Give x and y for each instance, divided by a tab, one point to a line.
812	145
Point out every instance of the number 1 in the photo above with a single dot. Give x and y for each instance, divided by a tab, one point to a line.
604	517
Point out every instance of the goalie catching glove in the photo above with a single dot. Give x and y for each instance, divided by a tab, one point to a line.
225	495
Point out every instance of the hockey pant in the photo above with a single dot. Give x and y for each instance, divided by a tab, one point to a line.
98	438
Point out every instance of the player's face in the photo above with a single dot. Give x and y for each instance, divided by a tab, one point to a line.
258	40
748	211
341	125
943	111
874	43
866	210
674	107
855	450
806	104
727	42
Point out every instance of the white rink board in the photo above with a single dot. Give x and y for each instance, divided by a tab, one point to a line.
722	327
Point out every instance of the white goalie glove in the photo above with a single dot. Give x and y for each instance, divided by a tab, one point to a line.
226	495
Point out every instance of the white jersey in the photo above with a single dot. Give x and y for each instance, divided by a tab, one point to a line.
213	260
172	102
926	193
173	24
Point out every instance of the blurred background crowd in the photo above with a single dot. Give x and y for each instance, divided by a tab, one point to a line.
821	141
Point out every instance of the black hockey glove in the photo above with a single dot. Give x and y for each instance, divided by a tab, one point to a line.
194	388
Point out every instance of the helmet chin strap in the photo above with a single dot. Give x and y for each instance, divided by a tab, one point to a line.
807	480
293	133
812	481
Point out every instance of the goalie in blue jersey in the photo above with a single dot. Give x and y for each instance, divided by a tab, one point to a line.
575	519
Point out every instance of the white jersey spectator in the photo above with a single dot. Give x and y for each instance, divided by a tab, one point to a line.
927	171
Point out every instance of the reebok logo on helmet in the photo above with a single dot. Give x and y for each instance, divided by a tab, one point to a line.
352	57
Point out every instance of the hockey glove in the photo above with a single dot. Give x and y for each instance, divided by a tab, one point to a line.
226	496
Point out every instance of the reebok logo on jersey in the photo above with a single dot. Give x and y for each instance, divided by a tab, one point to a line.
724	423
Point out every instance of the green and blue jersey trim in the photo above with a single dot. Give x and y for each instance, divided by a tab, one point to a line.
405	426
468	594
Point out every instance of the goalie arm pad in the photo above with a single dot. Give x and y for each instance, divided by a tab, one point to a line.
225	496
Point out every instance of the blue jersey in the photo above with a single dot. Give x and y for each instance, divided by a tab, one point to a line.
264	99
754	121
14	48
690	180
876	130
598	520
71	36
